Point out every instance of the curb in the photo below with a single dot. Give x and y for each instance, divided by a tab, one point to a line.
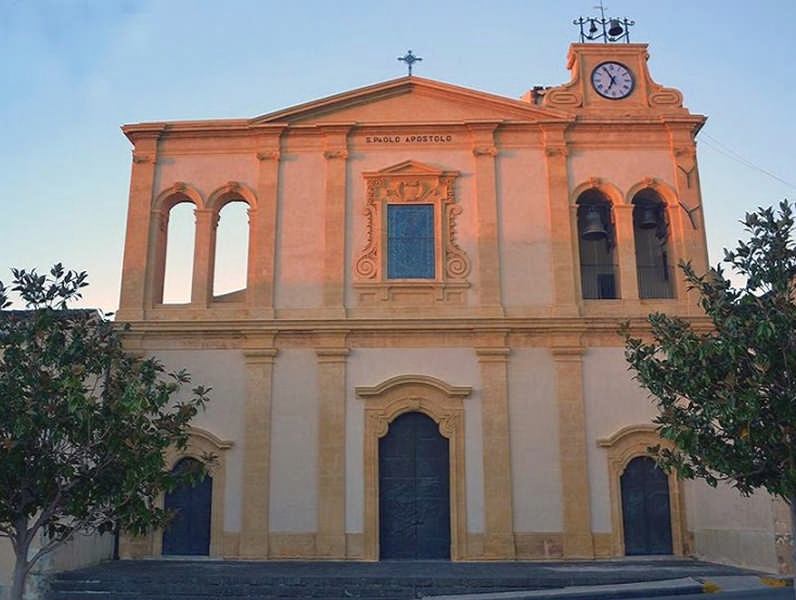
665	587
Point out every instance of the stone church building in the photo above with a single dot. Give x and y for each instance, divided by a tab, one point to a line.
424	361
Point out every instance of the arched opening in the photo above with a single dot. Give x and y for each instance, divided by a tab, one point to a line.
651	233
414	490
179	245
188	534
232	249
597	246
646	511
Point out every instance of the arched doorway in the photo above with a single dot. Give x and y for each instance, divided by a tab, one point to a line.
189	531
414	490
646	514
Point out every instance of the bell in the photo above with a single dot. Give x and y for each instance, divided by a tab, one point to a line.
615	28
593	227
593	28
648	217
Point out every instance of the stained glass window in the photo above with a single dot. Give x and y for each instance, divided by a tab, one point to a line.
410	241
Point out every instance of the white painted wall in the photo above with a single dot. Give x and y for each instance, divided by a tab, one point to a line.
456	366
6	567
730	528
300	231
294	443
612	401
524	217
535	466
225	372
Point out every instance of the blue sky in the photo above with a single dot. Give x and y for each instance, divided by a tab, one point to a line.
73	71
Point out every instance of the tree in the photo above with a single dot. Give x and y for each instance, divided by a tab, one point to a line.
83	424
727	391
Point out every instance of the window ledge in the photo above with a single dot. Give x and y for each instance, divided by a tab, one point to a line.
411	292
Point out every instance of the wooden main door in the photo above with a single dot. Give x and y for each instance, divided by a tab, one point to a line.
646	515
189	531
414	490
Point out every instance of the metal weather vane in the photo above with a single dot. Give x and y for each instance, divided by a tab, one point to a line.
410	59
606	29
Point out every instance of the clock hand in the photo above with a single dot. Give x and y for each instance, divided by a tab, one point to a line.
613	79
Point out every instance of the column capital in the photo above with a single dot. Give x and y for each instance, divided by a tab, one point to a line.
332	354
568	353
264	155
263	356
493	354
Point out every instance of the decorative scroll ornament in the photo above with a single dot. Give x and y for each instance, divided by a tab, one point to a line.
411	183
139	158
485	150
336	153
268	155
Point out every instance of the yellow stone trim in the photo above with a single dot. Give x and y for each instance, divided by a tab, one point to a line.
575	506
330	541
539	545
443	403
499	540
621	447
255	492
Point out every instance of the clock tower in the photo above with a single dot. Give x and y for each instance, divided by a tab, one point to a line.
611	79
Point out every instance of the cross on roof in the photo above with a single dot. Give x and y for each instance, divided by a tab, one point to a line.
409	59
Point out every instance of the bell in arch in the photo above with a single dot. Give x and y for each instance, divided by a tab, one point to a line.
615	28
593	226
648	216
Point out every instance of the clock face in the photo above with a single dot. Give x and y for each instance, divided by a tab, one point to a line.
612	80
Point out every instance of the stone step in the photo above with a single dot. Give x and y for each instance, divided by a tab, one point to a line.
398	580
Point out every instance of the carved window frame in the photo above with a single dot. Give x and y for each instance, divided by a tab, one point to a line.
411	182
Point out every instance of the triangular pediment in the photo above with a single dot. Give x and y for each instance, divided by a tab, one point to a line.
412	100
408	167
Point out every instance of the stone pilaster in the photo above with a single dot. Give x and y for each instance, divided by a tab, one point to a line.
136	291
484	152
626	252
561	224
158	235
204	258
687	230
499	521
262	224
257	453
336	155
330	540
568	361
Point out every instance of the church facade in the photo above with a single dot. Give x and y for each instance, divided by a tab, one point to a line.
424	361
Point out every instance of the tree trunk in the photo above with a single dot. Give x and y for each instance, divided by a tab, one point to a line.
20	575
21	543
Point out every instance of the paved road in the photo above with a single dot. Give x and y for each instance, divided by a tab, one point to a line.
768	594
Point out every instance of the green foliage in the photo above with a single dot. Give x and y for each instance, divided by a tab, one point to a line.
727	394
83	424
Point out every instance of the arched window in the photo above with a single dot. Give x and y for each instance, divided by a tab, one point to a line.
651	233
597	245
232	249
179	246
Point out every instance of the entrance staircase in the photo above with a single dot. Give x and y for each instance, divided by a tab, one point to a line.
386	580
